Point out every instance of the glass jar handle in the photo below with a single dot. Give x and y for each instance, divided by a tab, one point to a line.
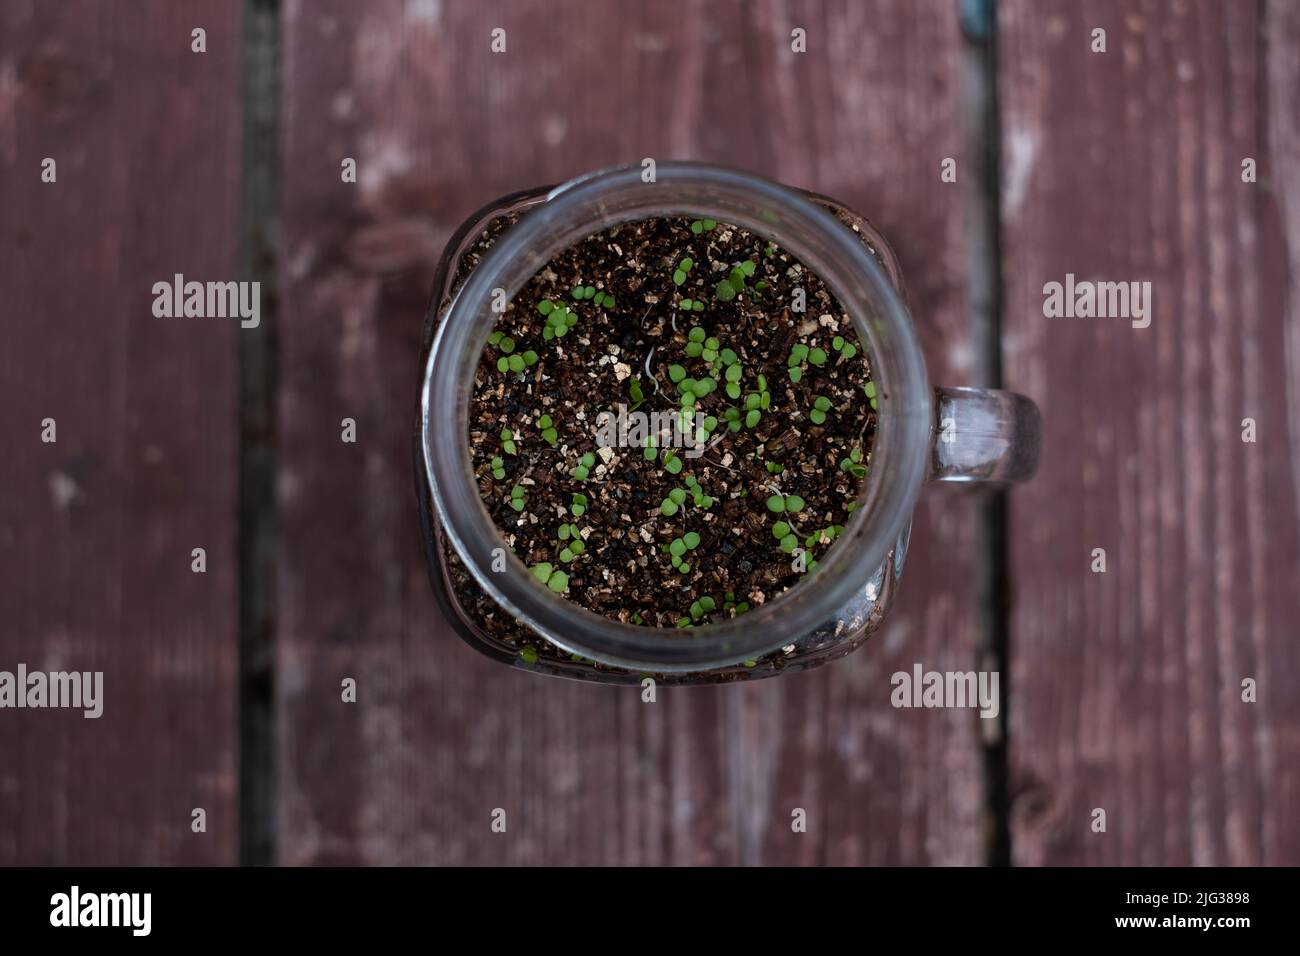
984	435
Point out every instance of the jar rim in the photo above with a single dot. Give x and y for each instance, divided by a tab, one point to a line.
600	200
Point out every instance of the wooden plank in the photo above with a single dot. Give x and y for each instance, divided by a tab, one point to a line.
440	737
97	528
1126	691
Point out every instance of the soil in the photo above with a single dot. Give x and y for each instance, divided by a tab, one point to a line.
640	315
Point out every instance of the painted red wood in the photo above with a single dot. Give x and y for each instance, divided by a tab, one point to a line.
1127	686
97	529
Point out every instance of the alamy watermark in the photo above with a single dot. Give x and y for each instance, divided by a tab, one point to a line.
662	429
922	688
82	690
1102	300
130	910
208	300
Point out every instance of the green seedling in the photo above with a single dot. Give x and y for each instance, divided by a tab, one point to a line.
729	603
703	225
734	284
705	605
853	464
870	390
508	442
584	466
549	434
798	355
821	405
517	498
579	505
824	536
498	468
559	319
783	504
557	581
695	342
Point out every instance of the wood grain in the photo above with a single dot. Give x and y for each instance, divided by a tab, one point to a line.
1126	691
440	737
96	530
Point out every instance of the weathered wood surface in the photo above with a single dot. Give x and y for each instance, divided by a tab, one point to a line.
96	530
1126	690
440	737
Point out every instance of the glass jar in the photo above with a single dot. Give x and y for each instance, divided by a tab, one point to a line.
922	434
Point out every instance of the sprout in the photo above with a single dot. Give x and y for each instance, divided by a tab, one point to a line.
498	468
780	529
668	507
528	655
579	505
870	390
584	466
549	434
559	319
671	462
798	353
853	464
821	405
785	503
517	498
507	442
775	468
817	357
